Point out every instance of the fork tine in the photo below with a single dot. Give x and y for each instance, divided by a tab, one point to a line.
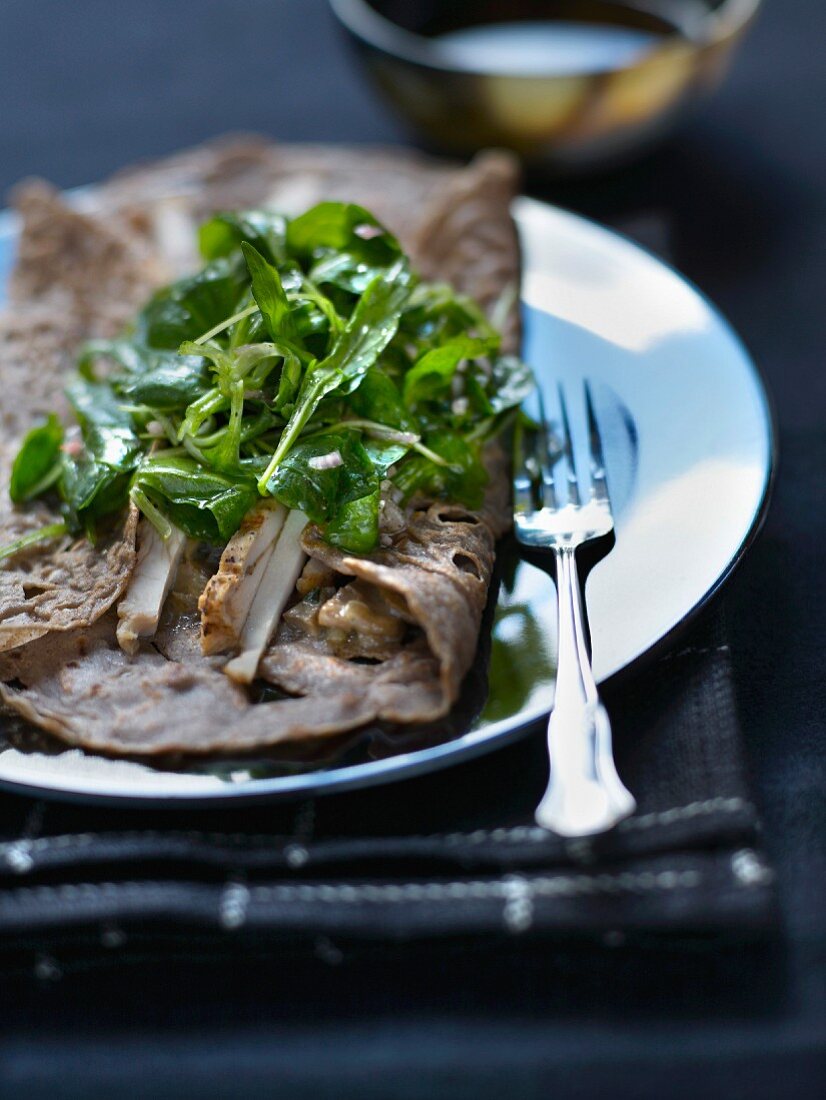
567	452
599	486
523	476
546	471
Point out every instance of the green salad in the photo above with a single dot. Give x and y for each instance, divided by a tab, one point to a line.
305	362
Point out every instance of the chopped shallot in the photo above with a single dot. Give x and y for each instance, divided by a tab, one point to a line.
368	232
326	462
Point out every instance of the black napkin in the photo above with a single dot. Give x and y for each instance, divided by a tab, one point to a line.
453	853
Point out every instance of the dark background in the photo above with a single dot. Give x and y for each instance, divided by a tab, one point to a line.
738	203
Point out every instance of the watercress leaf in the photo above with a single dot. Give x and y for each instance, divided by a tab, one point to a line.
264	229
378	398
292	277
369	330
108	433
289	383
345	245
431	377
310	321
304	481
159	378
478	402
435	313
339	227
463	480
168	381
355	526
511	382
202	502
253	465
90	489
130	356
192	306
346	271
269	294
37	464
384	453
95	482
260	423
111	496
225	454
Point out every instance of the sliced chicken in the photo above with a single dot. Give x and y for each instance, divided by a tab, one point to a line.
226	601
155	571
281	572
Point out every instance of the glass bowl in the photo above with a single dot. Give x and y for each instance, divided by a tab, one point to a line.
569	84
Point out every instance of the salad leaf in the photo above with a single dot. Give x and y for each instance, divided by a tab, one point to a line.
130	356
302	481
90	490
355	527
349	246
223	234
511	382
288	385
343	497
168	381
463	478
369	330
432	375
436	313
378	399
192	306
203	503
108	432
305	361
269	294
37	465
158	378
94	481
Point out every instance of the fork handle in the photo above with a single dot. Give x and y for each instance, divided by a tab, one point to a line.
585	795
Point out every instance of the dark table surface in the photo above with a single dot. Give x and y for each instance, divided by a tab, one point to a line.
739	205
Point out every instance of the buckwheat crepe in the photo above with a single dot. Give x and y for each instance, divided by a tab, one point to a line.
392	633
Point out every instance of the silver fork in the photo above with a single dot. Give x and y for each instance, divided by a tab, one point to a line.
584	795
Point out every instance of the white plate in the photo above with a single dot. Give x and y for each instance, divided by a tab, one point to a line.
689	452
